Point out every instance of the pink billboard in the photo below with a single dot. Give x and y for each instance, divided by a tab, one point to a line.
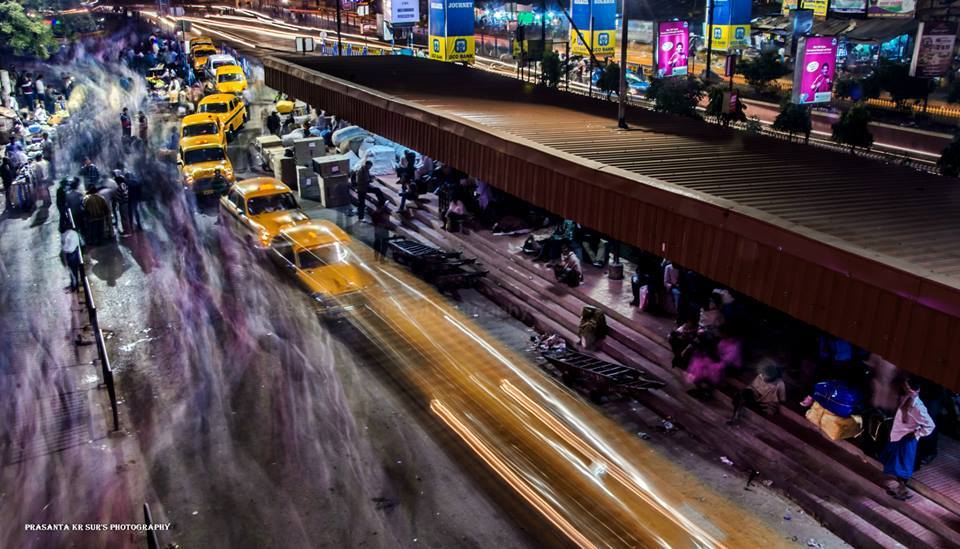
813	74
673	41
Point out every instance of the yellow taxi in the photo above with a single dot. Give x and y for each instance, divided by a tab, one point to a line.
256	209
200	54
230	109
317	254
205	167
200	41
201	128
230	79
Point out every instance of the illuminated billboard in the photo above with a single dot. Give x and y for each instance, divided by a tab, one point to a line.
933	50
819	7
401	12
848	6
603	13
673	46
451	30
891	8
730	25
813	74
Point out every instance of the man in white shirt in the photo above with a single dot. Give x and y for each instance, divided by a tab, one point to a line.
70	247
911	423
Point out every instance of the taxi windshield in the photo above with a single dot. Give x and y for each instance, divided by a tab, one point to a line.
271	203
206	128
230	77
322	256
204	51
214	107
212	154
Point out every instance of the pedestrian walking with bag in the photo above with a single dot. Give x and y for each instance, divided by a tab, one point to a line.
70	248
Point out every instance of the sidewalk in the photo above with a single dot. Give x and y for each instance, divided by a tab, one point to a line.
60	461
833	481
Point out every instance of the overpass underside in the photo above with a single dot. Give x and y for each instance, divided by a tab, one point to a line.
863	250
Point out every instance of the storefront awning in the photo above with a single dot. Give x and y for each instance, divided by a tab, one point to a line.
881	30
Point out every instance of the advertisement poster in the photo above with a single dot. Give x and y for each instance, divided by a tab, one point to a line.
848	6
604	16
401	12
813	75
673	46
891	8
933	51
451	31
730	24
819	7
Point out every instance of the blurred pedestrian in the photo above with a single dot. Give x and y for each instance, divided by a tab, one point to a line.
7	175
273	123
90	174
766	393
381	229
75	202
910	423
364	179
121	206
142	126
70	247
126	126
61	198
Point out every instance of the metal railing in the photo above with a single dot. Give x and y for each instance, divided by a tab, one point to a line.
152	541
106	371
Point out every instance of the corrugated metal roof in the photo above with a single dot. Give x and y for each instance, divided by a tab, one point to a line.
862	249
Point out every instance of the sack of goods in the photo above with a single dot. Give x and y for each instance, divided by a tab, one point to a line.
837	397
832	425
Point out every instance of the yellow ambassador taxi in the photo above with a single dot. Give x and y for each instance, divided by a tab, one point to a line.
230	79
204	166
318	256
256	209
200	54
230	109
201	128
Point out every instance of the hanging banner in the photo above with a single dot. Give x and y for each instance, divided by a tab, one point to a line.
401	12
933	51
673	46
451	31
603	13
891	8
819	7
813	75
730	25
848	6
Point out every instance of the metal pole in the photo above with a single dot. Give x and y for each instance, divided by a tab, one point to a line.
566	73
622	93
339	40
592	58
709	38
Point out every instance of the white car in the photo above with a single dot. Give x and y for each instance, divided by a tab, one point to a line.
216	61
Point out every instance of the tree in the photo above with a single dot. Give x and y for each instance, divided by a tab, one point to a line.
610	79
762	70
22	33
793	119
853	128
676	95
895	79
848	87
715	107
550	68
949	163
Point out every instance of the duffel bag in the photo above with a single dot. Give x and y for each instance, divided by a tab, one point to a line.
838	398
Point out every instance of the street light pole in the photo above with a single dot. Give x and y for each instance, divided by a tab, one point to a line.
709	38
339	40
622	89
